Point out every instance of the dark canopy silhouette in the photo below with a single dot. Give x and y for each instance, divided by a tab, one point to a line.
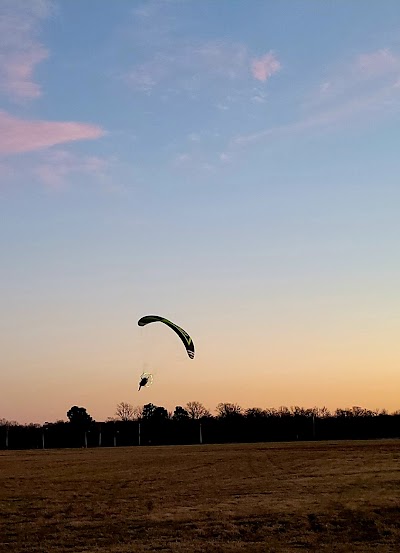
78	416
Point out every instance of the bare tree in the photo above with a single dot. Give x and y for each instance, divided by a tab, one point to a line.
138	412
322	412
125	411
254	413
196	410
283	412
226	410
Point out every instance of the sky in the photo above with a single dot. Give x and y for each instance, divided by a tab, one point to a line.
232	166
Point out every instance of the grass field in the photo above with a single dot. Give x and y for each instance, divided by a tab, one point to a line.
323	496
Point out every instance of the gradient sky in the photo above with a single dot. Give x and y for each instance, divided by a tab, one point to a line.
231	165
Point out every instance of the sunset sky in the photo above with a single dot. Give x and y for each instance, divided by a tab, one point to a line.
231	165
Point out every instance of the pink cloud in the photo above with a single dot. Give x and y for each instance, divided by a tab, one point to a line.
17	73
20	50
264	67
18	135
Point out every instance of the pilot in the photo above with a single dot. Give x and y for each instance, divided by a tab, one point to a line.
143	381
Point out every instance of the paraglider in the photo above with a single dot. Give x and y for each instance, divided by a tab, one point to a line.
183	335
146	380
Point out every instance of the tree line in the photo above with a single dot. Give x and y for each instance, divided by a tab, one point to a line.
155	425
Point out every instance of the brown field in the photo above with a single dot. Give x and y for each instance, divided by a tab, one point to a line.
324	496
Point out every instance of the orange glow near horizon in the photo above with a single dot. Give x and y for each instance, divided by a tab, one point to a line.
255	368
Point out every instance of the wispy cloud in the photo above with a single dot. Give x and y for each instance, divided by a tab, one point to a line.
171	63
224	157
369	84
380	62
364	74
145	10
325	118
222	73
259	96
59	169
182	160
17	74
263	68
193	162
20	48
190	66
19	135
56	167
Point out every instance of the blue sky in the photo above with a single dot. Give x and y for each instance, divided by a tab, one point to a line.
230	165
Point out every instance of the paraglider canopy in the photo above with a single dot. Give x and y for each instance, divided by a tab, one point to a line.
183	335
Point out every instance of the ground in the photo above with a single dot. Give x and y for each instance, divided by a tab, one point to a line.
250	498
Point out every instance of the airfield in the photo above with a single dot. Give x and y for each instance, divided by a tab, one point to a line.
256	498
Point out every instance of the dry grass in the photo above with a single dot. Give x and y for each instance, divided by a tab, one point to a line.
326	496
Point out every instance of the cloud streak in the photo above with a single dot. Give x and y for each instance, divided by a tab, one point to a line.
20	49
368	85
18	135
17	74
187	67
326	118
363	75
380	62
190	65
58	169
53	170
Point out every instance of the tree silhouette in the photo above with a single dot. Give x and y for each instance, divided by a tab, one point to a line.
160	414
180	414
196	410
228	410
148	411
255	413
125	411
186	425
79	417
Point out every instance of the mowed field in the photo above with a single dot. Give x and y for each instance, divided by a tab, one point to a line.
281	497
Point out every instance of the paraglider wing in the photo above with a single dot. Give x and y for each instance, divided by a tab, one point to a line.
183	335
